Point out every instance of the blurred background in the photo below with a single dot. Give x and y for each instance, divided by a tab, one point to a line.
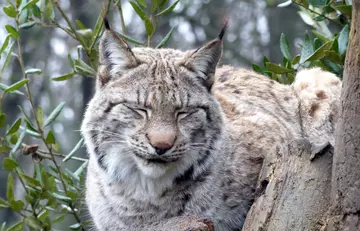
254	31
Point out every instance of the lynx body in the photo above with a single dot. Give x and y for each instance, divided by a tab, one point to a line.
172	138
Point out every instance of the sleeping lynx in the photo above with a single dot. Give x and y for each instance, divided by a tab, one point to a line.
173	139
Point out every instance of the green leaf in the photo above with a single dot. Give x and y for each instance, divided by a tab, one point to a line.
278	69
82	68
80	25
36	11
61	197
169	9
29	4
10	11
138	10
76	226
296	60
343	40
142	3
3	204
3	226
17	85
77	147
334	57
345	9
44	178
131	39
10	164
318	3
5	44
27	25
18	143
149	27
166	38
12	31
257	68
320	52
33	71
54	114
24	16
8	56
17	205
284	47
63	77
49	10
50	138
2	120
27	119
40	116
30	181
17	227
33	223
10	188
81	169
14	127
307	49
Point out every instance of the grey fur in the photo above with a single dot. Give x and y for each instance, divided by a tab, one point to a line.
224	121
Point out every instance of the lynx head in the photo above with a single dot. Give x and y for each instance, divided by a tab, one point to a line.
153	111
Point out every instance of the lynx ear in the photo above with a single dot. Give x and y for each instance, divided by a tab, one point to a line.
203	61
115	56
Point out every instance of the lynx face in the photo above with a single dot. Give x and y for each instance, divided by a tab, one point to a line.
153	110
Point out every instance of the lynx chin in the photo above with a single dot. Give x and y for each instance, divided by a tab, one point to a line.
173	139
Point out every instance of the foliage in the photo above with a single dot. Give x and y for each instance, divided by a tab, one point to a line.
321	47
52	192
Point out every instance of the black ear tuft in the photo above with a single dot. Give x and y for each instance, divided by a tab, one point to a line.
223	29
106	23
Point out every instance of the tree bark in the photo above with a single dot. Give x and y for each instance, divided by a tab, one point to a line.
345	193
294	188
324	193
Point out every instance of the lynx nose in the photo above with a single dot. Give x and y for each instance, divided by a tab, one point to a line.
161	140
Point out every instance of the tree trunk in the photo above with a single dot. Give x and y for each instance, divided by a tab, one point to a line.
345	193
322	194
294	188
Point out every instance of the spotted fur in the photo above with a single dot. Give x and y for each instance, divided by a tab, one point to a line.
225	121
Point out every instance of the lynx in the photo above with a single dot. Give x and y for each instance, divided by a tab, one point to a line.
175	141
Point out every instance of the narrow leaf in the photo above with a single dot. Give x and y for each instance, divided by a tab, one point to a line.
138	10
278	69
10	188
63	77
18	143
50	138
12	31
17	227
17	85
33	71
169	9
10	164
149	27
4	204
131	39
40	116
10	11
54	114
285	4
307	49
166	38
284	47
343	40
29	4
14	127
2	120
142	3
5	44
77	147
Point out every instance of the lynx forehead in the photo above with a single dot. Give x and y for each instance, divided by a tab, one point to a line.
173	139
